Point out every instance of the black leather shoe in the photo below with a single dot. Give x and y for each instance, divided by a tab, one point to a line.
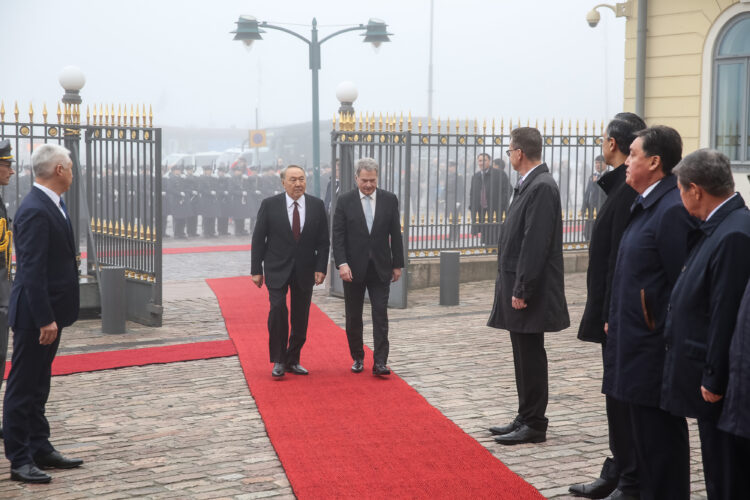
297	369
523	434
358	366
599	488
505	429
278	370
381	369
55	460
29	473
620	495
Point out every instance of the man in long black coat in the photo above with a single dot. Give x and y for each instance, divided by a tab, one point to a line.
530	289
735	417
621	471
651	254
489	196
290	254
702	314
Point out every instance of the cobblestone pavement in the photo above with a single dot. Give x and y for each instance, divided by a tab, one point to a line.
192	430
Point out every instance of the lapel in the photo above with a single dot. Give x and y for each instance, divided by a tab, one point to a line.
285	215
379	208
361	211
308	217
56	216
540	169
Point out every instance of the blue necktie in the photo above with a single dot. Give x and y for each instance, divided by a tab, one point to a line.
368	213
65	210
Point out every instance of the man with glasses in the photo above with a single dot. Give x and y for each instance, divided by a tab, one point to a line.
530	290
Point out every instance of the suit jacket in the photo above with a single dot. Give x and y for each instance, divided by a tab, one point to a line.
608	228
735	415
703	310
498	191
274	251
45	288
651	254
530	260
353	245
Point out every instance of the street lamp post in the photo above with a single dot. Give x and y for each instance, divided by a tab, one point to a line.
249	29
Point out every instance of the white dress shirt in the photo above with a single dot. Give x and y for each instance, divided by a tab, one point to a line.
52	196
720	205
300	208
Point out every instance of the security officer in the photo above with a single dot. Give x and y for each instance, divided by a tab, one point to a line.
6	247
209	202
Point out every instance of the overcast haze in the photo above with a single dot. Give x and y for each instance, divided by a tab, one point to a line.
503	58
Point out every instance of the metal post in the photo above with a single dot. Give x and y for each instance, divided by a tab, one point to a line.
113	297
315	66
449	278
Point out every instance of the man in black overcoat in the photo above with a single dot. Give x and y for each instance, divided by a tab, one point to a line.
489	196
290	254
368	251
651	255
621	470
530	289
44	300
702	314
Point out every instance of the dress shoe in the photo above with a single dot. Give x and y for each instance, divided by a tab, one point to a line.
598	488
381	369
505	429
297	369
358	366
621	495
29	473
56	460
523	434
278	370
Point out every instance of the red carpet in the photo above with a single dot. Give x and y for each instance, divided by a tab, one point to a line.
345	435
106	360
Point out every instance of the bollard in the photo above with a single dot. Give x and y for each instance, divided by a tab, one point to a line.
449	278
114	306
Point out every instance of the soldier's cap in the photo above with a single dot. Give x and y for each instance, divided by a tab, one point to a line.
5	151
207	167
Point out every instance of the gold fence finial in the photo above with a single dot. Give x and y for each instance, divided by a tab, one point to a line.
570	126
527	121
143	113
536	124
101	114
98	225
150	116
458	122
484	126
502	125
380	122
15	110
476	126
117	228
585	128
577	128
466	125
362	124
438	124
119	114
493	126
429	125
88	115
333	122
93	225
408	122
545	127
31	113
2	111
401	122
448	125
419	125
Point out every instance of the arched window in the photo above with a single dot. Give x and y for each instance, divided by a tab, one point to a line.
731	92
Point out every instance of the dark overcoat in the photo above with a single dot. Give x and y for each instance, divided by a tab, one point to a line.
605	240
735	416
703	310
651	254
530	260
497	189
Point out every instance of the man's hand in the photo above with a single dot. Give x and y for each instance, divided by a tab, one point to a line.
517	303
345	272
48	334
319	277
257	279
606	328
709	396
396	275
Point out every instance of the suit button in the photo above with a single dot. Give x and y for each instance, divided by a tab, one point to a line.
666	347
669	307
683	269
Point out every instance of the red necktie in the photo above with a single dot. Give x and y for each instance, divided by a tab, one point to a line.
295	222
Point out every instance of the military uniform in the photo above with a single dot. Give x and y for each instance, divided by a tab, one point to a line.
192	202
6	248
209	202
222	192
177	201
238	195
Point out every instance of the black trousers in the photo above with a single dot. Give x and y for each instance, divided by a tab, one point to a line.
25	427
192	225
208	226
283	347
530	363
622	468
726	462
354	299
178	226
222	224
663	449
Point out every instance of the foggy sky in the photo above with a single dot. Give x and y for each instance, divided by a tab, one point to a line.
492	59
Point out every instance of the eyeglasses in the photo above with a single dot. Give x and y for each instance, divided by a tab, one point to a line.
509	151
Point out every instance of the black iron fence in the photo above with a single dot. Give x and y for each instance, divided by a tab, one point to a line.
453	180
115	199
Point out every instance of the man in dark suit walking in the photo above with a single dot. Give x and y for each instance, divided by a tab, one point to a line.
369	254
290	253
702	314
620	472
530	291
44	299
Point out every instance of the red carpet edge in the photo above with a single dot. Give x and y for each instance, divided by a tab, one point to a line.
345	435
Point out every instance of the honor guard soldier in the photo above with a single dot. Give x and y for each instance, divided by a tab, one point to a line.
6	247
193	200
239	198
209	202
177	201
222	190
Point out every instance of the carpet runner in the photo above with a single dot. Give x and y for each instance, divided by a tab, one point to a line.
345	435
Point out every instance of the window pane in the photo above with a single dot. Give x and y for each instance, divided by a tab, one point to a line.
736	41
730	85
